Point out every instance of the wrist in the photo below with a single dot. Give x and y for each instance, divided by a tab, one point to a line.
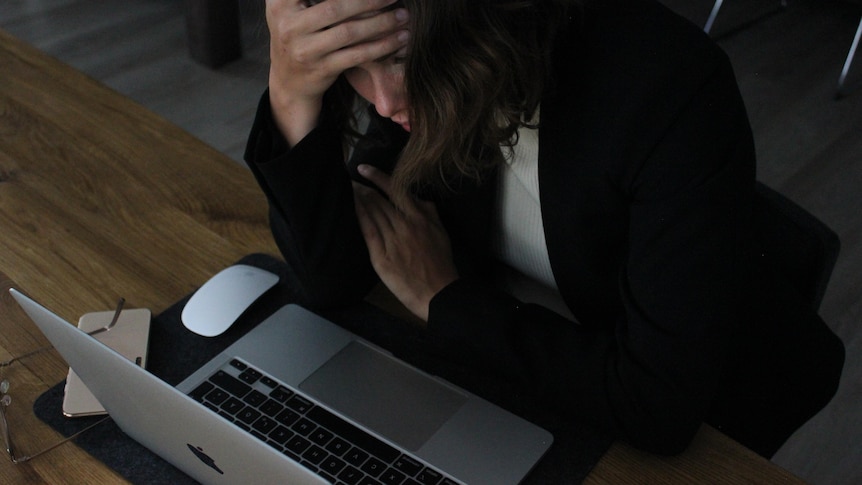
422	306
295	116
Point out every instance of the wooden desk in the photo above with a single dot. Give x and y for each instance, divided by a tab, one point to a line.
100	198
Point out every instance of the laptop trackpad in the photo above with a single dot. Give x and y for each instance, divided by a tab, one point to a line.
384	394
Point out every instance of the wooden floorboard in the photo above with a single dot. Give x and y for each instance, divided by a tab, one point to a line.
787	61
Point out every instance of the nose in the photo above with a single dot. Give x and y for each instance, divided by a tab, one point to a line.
384	103
388	97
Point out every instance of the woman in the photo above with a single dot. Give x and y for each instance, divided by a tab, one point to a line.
564	190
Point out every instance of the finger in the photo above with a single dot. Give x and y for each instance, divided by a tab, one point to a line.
409	207
369	230
428	209
284	5
329	13
374	210
344	25
346	58
377	177
355	42
277	10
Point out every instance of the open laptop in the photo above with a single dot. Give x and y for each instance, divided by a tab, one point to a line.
299	400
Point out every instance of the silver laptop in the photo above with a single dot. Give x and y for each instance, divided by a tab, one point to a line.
301	400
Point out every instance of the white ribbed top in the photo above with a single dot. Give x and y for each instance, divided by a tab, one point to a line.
519	234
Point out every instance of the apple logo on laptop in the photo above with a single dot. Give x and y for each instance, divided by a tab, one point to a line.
199	452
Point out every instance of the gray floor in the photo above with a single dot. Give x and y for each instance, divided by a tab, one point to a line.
788	62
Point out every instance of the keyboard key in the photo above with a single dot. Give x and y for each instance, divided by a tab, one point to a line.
338	446
281	394
250	376
299	404
230	383
287	417
407	465
271	408
392	477
217	396
350	475
326	476
268	382
199	392
265	424
429	476
320	436
297	444
248	415
255	398
315	454
281	434
356	457
238	365
332	465
232	406
304	427
373	467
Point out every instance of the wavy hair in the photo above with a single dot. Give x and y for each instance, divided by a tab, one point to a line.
475	72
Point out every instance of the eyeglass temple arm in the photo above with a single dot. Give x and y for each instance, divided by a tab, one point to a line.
120	303
16	460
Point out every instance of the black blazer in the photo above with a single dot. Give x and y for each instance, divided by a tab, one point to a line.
646	176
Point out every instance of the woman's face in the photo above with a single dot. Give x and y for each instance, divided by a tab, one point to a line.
381	83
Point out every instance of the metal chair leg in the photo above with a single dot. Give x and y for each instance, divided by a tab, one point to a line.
712	15
849	61
717	7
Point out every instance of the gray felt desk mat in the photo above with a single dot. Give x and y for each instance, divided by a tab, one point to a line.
175	353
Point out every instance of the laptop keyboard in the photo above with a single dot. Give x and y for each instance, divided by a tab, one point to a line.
293	424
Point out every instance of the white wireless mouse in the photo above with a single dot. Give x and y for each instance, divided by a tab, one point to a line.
221	300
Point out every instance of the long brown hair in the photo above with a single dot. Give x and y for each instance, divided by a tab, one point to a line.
475	72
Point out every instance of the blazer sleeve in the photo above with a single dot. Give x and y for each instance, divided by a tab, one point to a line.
648	371
311	210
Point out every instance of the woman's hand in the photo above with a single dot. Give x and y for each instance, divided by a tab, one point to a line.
311	46
409	248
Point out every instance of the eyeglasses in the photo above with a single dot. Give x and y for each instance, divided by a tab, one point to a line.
6	399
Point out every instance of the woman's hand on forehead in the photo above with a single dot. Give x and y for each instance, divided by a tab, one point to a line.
340	33
310	46
366	35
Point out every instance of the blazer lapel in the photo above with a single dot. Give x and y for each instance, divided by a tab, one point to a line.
583	216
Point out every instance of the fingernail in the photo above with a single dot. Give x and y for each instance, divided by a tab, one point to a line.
363	169
401	15
403	36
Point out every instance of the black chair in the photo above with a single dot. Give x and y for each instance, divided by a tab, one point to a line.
798	245
789	362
